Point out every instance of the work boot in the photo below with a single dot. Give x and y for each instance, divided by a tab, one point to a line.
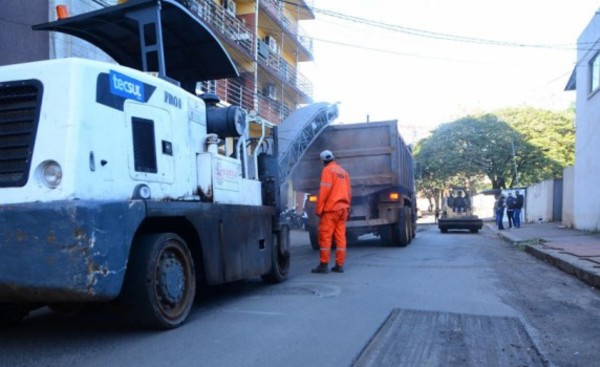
321	269
338	269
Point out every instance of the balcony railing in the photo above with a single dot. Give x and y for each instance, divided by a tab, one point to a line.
233	29
283	69
275	10
233	91
224	22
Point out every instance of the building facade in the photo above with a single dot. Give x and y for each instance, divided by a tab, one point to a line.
586	81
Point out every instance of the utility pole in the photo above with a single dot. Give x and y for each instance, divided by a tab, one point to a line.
512	142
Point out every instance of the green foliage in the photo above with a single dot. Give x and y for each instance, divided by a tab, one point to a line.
510	147
551	142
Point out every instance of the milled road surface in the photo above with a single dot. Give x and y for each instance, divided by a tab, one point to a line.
468	298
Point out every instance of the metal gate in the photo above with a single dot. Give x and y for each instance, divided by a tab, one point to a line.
557	196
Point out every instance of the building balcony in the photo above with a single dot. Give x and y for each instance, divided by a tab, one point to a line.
275	10
237	34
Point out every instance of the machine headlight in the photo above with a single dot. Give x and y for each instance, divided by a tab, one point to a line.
51	174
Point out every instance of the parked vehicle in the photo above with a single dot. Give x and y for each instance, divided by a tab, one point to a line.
118	184
380	165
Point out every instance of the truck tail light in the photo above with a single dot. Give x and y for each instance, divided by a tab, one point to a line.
312	198
394	196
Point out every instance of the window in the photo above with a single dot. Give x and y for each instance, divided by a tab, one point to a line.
594	73
144	148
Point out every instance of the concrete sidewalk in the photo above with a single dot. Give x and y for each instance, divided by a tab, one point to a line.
575	252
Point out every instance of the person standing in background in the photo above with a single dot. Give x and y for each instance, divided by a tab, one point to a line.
510	207
500	204
517	209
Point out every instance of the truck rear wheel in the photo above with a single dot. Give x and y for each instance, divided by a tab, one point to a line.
396	234
281	257
160	282
313	235
401	230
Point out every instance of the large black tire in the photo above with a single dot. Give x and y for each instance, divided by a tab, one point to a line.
11	314
402	230
281	258
385	236
443	229
413	230
396	234
313	235
160	282
67	308
474	230
351	238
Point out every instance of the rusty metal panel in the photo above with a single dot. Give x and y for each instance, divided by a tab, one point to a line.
65	251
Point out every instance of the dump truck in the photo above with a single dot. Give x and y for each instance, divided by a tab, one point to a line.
380	166
457	212
118	184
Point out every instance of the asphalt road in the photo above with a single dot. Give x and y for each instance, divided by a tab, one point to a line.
457	299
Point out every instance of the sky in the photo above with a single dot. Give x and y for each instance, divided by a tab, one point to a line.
515	53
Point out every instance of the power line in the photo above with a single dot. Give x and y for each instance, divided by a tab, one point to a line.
437	35
431	34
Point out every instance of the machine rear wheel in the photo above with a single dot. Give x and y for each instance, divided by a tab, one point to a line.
11	314
160	282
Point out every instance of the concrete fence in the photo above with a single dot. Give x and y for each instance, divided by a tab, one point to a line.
552	200
539	202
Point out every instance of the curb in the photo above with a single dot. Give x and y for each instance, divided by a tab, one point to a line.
582	269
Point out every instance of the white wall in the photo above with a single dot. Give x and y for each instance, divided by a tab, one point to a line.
586	203
538	202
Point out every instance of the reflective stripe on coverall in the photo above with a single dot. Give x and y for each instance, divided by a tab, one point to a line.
333	207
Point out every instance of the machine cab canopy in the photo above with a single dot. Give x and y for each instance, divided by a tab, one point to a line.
153	36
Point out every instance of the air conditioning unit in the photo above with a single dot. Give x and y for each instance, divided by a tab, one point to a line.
230	6
272	44
209	86
271	91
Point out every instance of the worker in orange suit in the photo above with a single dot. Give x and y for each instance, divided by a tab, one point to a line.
333	208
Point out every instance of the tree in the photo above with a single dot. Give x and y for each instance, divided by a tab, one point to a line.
550	138
468	148
512	147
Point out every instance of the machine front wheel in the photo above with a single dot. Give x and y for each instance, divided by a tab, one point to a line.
160	282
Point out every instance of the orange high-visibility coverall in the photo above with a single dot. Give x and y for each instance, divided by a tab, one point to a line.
333	207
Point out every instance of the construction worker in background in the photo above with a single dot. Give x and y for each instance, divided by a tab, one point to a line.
333	208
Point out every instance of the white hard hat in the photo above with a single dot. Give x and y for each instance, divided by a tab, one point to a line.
326	155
